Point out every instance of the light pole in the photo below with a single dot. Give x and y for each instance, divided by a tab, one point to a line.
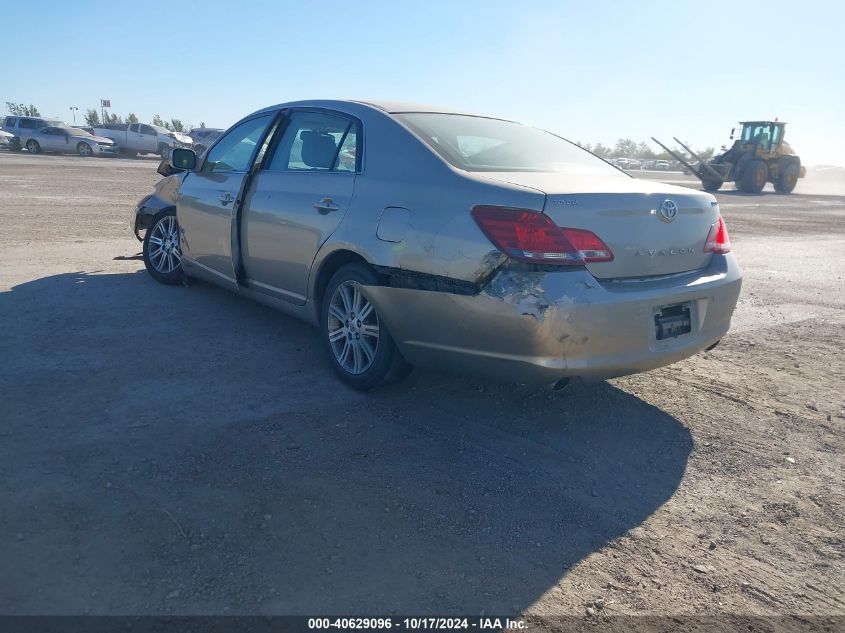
74	109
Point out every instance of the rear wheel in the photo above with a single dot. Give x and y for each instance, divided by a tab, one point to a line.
84	149
162	253
712	185
788	179
360	348
754	177
33	147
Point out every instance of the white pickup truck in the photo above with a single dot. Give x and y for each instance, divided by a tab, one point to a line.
140	138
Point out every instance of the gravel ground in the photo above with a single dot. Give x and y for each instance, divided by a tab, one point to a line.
171	450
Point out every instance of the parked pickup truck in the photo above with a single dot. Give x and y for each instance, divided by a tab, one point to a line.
140	138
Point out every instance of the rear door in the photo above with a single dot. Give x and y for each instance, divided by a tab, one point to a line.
146	140
297	200
209	198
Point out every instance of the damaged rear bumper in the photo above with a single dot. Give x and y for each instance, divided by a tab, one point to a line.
544	326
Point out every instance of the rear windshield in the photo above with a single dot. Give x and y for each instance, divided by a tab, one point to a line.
478	144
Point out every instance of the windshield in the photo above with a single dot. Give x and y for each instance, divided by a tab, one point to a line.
479	144
160	130
74	130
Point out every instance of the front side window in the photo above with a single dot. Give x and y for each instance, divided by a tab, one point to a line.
476	143
28	124
317	141
237	149
10	121
133	127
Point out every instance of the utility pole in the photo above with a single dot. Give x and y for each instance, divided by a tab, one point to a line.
74	109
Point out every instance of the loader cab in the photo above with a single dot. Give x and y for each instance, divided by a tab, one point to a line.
767	136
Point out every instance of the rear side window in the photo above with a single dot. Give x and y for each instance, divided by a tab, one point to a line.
10	121
317	141
237	149
146	129
28	124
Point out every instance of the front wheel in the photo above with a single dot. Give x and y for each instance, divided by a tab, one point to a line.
83	149
360	348
33	147
754	177
164	151
162	253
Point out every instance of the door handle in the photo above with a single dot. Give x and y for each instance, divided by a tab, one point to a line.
325	205
226	198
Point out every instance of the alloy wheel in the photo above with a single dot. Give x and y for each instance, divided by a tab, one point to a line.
353	328
165	253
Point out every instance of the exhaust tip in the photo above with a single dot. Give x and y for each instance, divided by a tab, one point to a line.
561	384
713	346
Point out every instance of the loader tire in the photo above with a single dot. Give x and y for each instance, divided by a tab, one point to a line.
788	179
712	185
754	176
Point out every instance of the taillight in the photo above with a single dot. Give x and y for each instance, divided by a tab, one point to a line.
534	237
718	240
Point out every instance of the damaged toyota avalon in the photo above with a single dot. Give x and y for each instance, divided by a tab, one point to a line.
414	235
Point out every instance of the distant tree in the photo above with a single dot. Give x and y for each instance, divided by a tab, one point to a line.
625	147
707	153
202	124
19	109
92	117
601	150
131	118
645	151
157	120
112	118
176	125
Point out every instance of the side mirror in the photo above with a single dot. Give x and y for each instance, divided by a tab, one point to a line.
733	129
183	159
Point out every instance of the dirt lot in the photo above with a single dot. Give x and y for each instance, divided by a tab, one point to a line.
176	450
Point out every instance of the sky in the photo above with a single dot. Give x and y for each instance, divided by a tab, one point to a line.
589	71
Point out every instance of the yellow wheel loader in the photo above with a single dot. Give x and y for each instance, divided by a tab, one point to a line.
758	156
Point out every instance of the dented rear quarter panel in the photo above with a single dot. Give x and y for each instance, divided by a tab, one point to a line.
440	236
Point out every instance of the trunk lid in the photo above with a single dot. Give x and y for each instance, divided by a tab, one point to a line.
626	214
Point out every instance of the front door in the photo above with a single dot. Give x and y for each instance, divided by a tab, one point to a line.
209	198
297	200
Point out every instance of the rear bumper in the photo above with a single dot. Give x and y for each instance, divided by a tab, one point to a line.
541	327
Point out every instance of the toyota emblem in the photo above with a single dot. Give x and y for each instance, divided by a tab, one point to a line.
668	210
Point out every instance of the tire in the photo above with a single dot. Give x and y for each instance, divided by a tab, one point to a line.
788	179
754	176
83	149
164	151
371	358
162	252
33	147
712	185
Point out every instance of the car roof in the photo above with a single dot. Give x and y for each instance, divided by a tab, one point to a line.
388	107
